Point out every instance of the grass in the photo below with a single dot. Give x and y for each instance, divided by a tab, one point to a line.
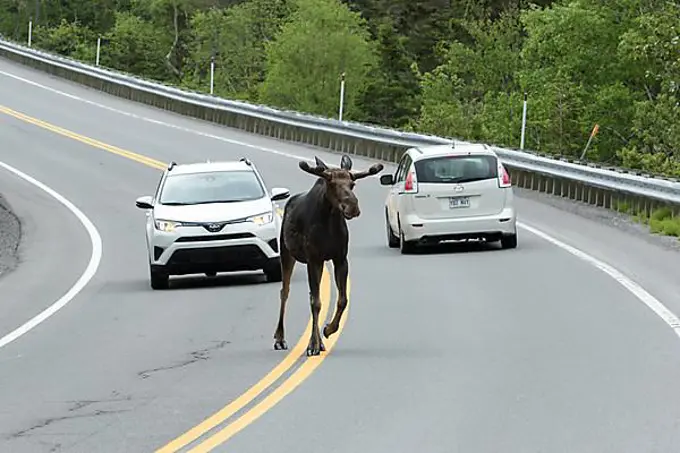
661	221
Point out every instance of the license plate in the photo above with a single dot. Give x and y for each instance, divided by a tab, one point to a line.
459	202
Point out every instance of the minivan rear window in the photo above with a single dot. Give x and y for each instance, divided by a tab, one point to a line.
452	169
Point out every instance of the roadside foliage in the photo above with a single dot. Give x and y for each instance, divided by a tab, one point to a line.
456	68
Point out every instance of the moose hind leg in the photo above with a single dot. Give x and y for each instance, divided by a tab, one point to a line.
314	273
287	265
341	270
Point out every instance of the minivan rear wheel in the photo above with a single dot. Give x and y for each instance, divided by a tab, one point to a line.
509	241
405	247
392	239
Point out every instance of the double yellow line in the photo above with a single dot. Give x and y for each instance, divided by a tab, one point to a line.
221	417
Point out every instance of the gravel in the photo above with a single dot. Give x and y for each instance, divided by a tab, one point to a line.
10	236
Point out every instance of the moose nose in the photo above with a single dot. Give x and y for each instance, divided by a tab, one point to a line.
351	210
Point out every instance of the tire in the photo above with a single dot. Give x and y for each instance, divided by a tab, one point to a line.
159	278
392	239
273	271
405	247
509	241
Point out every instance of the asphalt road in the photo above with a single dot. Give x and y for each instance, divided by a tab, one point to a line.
464	349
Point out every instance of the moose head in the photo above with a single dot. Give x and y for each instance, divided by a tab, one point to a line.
340	183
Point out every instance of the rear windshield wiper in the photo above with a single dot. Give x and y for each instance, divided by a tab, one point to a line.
462	180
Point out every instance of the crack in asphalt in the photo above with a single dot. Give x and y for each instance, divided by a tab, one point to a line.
50	421
76	406
194	356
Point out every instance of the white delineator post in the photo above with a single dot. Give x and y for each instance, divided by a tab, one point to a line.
99	47
30	32
342	96
524	121
212	74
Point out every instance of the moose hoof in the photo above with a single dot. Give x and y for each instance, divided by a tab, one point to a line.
280	345
315	350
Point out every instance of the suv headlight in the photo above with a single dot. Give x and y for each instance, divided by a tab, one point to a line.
167	226
261	219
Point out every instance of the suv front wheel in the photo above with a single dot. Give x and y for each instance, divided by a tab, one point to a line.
159	278
273	270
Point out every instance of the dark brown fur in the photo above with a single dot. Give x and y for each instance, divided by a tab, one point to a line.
314	231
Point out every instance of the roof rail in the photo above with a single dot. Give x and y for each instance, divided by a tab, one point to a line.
172	165
246	160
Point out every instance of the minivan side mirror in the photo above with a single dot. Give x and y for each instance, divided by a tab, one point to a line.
144	202
386	180
280	193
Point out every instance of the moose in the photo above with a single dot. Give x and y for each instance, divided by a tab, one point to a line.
313	231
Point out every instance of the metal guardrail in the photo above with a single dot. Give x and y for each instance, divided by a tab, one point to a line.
606	187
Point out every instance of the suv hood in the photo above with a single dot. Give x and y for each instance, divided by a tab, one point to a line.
213	212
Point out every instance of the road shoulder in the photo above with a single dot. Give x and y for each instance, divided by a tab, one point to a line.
10	238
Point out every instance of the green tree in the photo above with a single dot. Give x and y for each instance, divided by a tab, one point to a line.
570	69
237	36
135	46
69	39
392	95
466	96
322	39
652	45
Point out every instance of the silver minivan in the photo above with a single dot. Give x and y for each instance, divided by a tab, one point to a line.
449	192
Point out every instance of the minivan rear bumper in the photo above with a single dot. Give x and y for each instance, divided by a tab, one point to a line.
490	227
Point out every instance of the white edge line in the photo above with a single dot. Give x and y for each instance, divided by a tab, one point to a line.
638	291
84	279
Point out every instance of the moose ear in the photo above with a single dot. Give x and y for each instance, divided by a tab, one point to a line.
320	163
346	162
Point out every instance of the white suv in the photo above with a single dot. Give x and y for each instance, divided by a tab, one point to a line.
212	217
449	192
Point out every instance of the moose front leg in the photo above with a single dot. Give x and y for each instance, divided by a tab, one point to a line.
287	265
314	273
341	268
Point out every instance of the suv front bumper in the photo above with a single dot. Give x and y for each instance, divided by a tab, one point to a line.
235	248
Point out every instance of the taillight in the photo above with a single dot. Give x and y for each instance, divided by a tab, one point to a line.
411	184
504	177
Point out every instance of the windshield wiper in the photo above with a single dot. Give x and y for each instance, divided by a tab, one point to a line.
189	203
462	180
221	201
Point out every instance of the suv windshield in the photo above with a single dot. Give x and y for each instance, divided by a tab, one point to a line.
211	187
456	169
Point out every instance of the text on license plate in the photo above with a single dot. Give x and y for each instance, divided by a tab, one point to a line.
459	202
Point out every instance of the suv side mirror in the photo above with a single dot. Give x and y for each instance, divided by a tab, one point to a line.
280	193
144	202
386	180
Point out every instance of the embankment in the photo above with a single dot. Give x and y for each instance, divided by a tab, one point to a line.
10	236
